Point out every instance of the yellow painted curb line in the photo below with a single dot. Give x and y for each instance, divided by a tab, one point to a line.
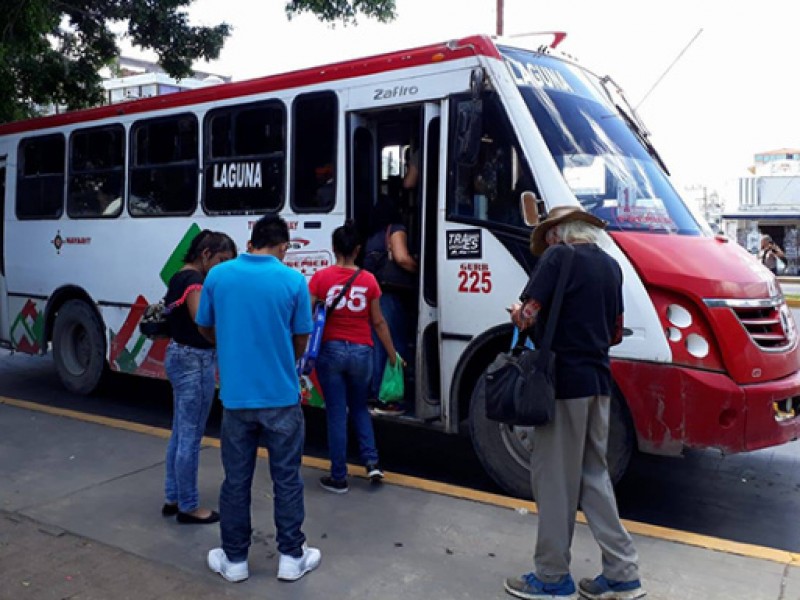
644	529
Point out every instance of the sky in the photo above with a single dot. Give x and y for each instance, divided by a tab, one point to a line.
729	95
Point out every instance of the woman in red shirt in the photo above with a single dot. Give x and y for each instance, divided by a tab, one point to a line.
344	364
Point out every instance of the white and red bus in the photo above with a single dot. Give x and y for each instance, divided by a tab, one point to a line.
99	206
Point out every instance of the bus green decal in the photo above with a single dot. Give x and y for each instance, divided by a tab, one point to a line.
132	354
175	260
28	328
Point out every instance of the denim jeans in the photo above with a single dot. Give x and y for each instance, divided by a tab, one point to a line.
191	371
284	433
395	313
344	370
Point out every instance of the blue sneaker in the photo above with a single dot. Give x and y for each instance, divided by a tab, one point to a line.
531	587
601	588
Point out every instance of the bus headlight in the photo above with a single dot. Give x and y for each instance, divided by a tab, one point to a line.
679	316
687	331
674	334
696	345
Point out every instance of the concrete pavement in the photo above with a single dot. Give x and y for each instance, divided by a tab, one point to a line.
80	500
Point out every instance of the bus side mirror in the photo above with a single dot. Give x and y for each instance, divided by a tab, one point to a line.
469	130
529	207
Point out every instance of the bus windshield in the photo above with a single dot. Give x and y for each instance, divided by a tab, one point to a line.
600	156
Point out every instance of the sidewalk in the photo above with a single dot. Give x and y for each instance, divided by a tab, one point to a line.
80	519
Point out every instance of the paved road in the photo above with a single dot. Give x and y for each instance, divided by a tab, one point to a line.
73	526
751	498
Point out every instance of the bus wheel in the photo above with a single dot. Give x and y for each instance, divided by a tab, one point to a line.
78	347
504	451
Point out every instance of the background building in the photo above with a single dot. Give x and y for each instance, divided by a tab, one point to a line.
769	203
706	203
134	78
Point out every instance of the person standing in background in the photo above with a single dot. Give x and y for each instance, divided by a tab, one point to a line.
770	253
258	311
190	365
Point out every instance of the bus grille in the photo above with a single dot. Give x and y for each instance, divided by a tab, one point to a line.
767	326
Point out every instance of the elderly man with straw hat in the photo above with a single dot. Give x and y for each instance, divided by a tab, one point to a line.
568	463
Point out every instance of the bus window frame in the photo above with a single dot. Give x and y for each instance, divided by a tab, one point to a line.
20	177
208	161
121	169
335	158
132	157
518	161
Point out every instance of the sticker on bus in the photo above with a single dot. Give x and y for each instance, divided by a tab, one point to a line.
308	263
464	243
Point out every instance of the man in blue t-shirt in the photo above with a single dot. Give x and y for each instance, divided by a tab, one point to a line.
258	311
568	463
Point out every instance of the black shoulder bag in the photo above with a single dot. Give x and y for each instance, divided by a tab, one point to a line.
154	323
391	276
520	384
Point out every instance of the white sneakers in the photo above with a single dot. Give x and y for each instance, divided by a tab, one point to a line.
289	568
292	569
232	571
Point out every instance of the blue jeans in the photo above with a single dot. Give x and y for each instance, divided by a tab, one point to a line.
344	370
394	312
191	371
284	430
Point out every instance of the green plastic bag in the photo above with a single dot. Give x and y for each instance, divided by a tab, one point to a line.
392	387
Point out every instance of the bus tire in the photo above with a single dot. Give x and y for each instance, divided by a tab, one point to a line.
504	451
79	347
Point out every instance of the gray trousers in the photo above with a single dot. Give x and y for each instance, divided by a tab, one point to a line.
568	468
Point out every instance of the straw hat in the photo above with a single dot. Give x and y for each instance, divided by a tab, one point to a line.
557	216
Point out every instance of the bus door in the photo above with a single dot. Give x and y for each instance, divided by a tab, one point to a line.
429	403
5	338
382	145
362	171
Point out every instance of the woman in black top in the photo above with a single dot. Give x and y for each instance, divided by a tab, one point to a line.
190	366
389	237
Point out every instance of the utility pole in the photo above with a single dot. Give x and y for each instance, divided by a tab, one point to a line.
499	17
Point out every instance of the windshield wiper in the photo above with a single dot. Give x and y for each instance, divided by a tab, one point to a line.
631	118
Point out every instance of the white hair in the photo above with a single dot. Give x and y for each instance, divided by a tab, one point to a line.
578	231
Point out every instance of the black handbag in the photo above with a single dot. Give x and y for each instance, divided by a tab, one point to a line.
520	384
154	323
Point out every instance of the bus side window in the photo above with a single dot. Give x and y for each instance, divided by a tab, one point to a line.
245	156
163	166
40	177
490	189
315	118
95	185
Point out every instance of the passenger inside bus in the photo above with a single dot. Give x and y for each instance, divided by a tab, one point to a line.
108	200
388	233
411	171
325	196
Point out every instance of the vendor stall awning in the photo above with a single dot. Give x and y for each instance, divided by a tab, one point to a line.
763	216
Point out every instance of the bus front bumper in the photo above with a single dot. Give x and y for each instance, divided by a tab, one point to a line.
676	407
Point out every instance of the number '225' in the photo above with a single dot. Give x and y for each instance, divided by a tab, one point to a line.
475	282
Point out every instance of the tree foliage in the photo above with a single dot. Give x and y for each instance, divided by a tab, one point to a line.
343	10
51	51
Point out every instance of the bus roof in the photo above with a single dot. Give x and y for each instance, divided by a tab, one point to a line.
452	50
